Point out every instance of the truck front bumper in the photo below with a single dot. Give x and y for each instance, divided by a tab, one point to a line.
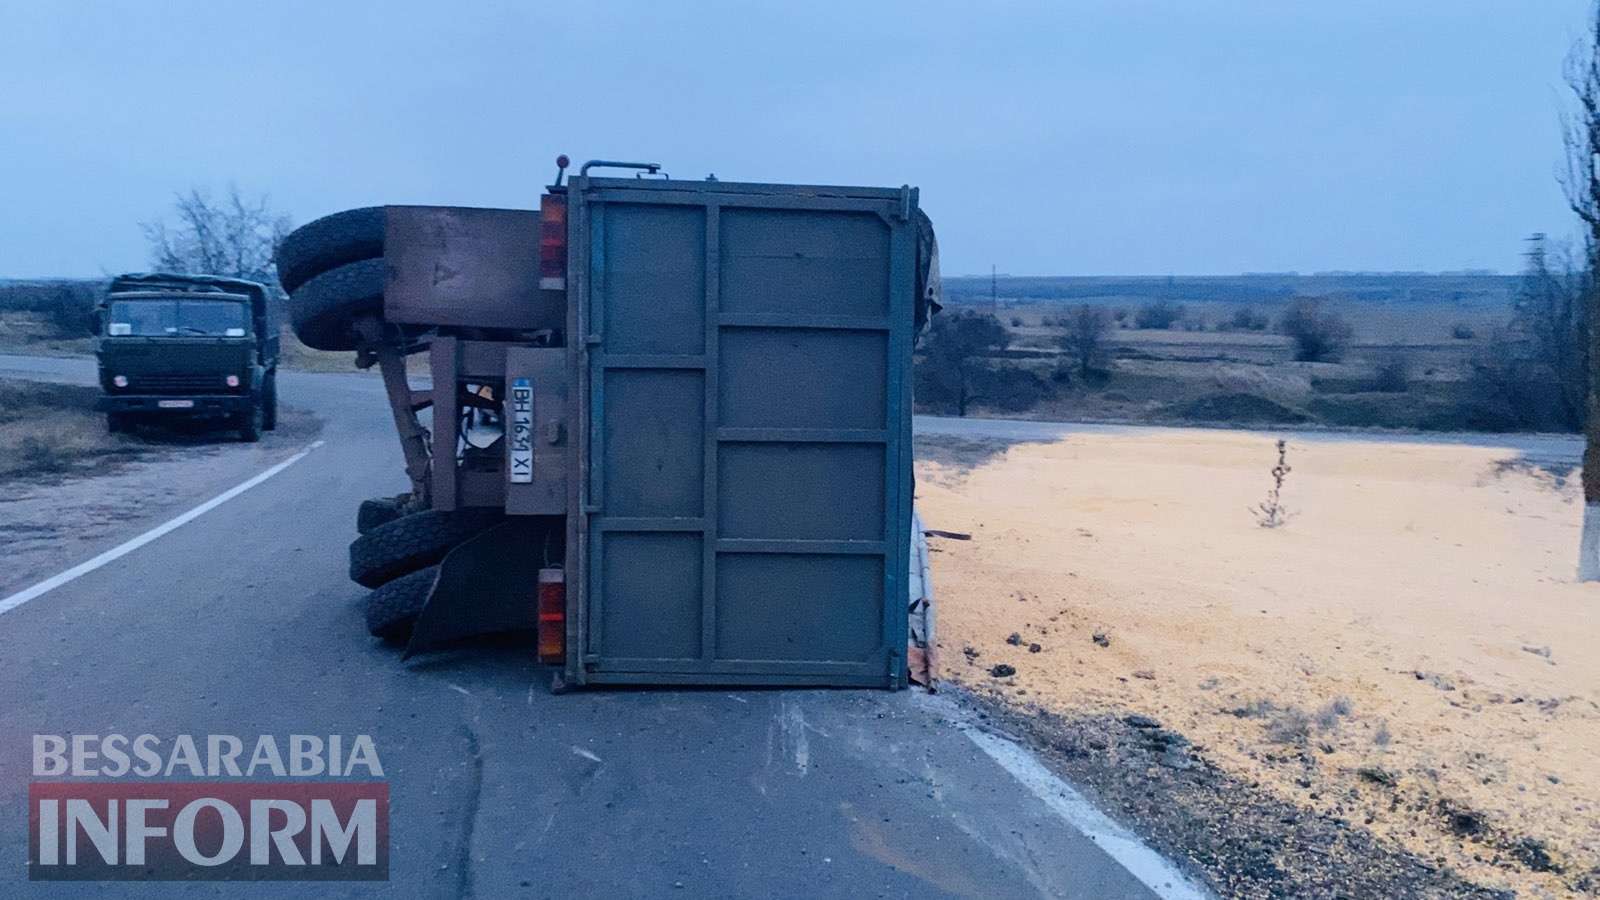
175	404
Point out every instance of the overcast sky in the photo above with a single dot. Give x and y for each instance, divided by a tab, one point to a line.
1073	137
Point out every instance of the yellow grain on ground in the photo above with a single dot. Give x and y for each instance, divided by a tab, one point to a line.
1426	585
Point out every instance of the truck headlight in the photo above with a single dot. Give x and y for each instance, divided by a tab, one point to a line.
232	380
119	380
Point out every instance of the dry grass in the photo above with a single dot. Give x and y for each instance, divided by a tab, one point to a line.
33	333
1270	383
297	356
294	355
53	429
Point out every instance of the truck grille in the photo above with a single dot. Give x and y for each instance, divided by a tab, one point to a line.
175	382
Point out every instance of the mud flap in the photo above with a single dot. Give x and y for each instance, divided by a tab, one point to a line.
487	584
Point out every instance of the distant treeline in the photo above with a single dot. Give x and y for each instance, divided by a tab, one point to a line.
67	303
1478	290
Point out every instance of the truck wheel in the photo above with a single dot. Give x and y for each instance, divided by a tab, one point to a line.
414	542
116	423
322	309
269	400
393	608
250	423
380	511
329	242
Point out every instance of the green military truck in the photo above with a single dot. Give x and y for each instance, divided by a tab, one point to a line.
190	347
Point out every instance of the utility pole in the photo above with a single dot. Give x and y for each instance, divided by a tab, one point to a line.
1589	540
1581	131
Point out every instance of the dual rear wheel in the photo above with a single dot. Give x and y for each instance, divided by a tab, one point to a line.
398	556
334	272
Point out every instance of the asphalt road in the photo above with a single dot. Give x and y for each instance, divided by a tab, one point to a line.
242	622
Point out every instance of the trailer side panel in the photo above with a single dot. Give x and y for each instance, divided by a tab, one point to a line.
746	432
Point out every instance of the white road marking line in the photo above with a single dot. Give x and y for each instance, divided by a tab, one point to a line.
1143	863
50	584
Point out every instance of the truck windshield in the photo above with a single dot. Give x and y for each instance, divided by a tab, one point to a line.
222	318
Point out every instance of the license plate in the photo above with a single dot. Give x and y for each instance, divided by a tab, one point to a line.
520	414
175	404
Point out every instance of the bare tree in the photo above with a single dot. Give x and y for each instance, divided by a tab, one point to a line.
952	370
1542	359
1318	335
1581	129
234	237
1086	332
1162	314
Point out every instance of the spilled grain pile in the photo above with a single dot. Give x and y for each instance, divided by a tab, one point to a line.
1408	653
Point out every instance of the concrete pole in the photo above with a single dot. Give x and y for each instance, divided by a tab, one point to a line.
1589	543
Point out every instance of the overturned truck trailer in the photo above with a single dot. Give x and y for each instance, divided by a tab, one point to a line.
668	427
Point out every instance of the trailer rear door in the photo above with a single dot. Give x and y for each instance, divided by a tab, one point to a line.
745	354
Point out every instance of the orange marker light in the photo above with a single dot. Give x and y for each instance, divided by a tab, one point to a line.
552	616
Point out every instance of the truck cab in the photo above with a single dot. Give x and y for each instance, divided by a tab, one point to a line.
189	347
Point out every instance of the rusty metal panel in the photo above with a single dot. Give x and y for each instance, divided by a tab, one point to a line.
743	357
453	364
442	367
487	481
474	268
545	371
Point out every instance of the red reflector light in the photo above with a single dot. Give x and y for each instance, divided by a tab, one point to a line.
553	242
552	616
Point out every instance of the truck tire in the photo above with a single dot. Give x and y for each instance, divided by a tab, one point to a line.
116	423
269	400
380	511
328	243
393	608
322	309
250	422
414	542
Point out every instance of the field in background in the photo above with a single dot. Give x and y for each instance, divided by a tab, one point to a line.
1465	289
35	334
1416	341
1427	329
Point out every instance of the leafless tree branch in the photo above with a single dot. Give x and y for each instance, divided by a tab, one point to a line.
234	237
